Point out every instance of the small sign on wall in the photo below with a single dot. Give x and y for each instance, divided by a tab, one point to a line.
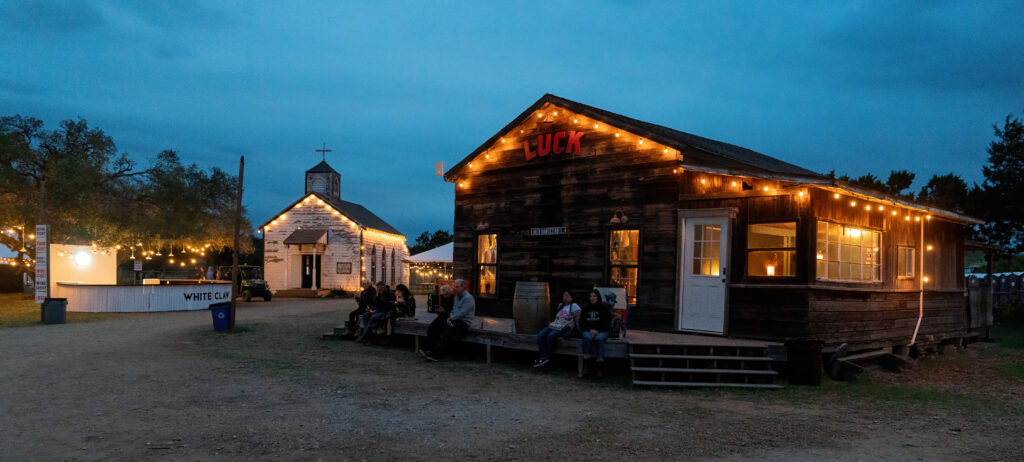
549	231
344	267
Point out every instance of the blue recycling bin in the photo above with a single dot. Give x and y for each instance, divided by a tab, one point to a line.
221	313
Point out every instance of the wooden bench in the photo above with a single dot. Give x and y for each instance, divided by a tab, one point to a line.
614	348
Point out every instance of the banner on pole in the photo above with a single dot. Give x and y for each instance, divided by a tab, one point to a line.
42	263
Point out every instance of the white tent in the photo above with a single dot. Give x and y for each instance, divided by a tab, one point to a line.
442	254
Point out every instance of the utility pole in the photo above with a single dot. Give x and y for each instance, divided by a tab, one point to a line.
234	254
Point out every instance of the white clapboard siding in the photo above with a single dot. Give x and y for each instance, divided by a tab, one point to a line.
282	265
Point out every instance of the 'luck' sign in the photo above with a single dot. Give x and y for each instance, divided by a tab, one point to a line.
563	142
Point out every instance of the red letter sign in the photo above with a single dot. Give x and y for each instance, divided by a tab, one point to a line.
573	146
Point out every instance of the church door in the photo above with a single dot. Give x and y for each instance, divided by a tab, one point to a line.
309	271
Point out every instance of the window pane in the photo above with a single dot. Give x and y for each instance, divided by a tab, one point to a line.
771	235
487	249
625	277
781	263
623	247
487	280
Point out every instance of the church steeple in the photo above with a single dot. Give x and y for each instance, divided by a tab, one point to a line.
324	180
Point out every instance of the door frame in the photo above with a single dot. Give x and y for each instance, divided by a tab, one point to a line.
729	214
317	270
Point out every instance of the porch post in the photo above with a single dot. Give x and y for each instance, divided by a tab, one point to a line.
314	268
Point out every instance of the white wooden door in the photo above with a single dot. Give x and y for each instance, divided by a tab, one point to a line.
703	273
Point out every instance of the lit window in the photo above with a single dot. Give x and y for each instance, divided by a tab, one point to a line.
487	264
707	250
624	261
905	262
847	253
771	249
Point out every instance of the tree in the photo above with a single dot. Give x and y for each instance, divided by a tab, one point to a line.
1001	204
74	179
899	180
428	240
947	191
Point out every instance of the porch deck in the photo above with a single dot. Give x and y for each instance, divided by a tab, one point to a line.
498	332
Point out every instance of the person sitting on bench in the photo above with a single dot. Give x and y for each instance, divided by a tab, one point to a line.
457	323
595	322
364	300
406	303
383	304
445	301
567	319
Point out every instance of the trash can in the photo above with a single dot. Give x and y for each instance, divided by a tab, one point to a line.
54	310
805	364
221	312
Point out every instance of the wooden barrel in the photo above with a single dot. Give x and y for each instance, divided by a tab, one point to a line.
530	309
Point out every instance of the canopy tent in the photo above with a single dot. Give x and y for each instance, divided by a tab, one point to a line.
442	254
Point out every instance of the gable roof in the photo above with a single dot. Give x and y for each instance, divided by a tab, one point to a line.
701	154
322	167
712	154
355	212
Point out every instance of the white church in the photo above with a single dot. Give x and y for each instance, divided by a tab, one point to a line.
321	242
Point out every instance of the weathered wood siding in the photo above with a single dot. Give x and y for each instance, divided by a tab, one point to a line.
504	194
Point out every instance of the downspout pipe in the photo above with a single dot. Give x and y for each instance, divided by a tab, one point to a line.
920	284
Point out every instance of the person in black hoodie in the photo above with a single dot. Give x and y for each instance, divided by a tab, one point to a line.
365	300
383	304
595	321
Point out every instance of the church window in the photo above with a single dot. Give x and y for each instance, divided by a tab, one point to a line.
319	185
373	264
393	266
384	265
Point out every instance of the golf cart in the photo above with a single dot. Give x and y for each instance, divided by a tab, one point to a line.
250	281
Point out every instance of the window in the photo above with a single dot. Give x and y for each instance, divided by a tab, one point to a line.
771	249
707	248
344	268
487	264
847	253
373	264
624	260
393	280
905	262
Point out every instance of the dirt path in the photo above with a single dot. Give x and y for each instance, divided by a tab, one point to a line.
162	386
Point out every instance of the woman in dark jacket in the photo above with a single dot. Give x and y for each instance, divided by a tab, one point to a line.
406	303
595	321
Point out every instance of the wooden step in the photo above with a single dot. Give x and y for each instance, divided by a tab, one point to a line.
771	386
730	358
704	371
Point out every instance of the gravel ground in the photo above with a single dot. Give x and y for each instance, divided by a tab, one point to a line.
163	386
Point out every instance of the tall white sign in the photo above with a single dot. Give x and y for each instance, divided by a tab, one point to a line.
42	263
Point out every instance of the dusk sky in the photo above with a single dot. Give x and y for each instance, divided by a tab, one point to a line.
392	88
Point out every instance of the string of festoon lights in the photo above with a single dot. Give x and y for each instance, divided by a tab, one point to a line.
428	270
508	144
189	254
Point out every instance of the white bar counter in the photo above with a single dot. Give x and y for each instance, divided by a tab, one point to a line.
178	296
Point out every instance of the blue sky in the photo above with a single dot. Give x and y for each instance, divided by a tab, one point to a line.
393	87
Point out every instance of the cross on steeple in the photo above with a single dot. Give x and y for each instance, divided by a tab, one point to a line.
324	151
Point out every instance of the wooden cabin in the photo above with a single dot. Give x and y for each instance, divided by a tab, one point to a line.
706	237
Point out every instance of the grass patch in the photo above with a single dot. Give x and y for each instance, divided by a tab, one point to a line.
1009	335
887	394
1013	370
20	310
